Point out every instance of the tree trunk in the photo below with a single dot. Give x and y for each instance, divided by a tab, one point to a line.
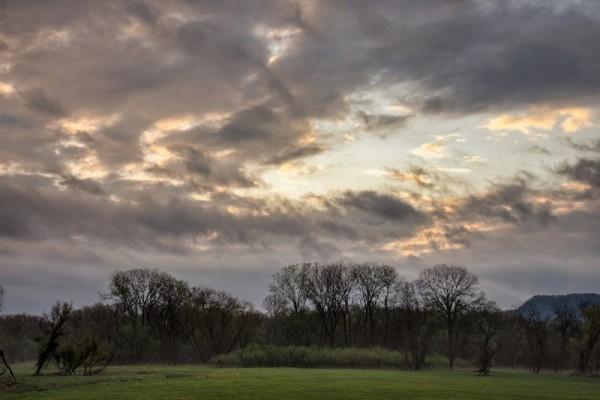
451	345
10	371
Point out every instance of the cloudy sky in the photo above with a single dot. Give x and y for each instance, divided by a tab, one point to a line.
221	140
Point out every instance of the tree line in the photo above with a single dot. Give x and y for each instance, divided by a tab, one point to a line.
150	316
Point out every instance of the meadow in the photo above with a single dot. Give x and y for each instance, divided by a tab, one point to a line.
203	382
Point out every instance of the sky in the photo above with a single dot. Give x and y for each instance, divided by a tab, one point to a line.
221	140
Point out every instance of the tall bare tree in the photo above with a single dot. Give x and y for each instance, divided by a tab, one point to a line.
565	321
144	300
372	280
288	285
537	331
452	291
325	290
416	322
215	322
488	321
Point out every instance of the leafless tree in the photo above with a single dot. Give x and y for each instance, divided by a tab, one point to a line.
536	327
144	300
452	291
345	287
2	356
371	281
168	320
287	285
215	322
416	322
488	321
565	320
53	329
325	290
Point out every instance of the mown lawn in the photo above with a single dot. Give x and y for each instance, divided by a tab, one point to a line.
197	382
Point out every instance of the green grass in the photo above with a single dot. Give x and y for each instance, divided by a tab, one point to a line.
198	382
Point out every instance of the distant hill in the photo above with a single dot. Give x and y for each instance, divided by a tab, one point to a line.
546	304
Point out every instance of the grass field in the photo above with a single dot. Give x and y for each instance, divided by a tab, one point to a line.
197	382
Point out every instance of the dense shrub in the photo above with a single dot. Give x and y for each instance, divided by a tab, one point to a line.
299	356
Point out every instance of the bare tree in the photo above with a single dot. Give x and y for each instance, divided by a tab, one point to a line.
488	321
288	285
371	282
143	298
2	356
452	291
566	323
168	321
53	329
345	288
389	277
536	329
416	322
215	322
325	290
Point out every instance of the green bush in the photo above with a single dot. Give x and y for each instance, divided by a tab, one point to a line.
298	356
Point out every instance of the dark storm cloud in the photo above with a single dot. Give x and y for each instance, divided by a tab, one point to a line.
382	121
384	206
202	170
86	185
297	152
36	209
510	202
461	56
584	171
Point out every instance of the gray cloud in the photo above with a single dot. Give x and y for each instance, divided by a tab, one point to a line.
510	203
584	170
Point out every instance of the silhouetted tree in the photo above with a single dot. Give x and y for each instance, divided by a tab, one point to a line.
565	321
416	321
325	290
536	329
372	282
452	291
488	321
215	322
143	299
2	355
288	286
53	329
287	304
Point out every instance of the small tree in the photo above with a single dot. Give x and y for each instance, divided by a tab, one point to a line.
2	356
452	291
53	328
